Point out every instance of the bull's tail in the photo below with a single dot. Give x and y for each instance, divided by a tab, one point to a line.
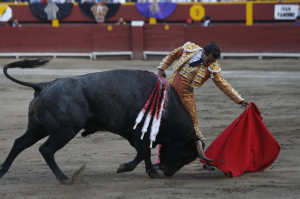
25	63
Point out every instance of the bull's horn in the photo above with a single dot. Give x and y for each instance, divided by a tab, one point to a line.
201	152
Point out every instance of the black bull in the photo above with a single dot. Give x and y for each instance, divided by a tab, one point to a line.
101	101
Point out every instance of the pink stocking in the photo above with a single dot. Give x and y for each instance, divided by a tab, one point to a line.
158	159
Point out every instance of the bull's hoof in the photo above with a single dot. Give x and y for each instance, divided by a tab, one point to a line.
85	133
2	172
154	175
64	180
122	168
125	167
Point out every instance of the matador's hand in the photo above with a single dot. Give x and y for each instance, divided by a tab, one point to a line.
245	103
161	72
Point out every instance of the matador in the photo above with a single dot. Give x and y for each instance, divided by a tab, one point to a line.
193	66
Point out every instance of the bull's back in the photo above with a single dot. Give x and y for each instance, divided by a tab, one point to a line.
123	86
117	96
111	99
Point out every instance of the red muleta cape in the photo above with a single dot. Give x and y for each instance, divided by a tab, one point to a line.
246	145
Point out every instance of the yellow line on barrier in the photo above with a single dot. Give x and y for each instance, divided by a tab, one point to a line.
249	13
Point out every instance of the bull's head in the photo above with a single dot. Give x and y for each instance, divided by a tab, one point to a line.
173	157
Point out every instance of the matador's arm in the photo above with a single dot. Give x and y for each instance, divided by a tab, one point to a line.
170	58
222	84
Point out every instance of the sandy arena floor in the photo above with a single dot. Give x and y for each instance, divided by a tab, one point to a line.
273	85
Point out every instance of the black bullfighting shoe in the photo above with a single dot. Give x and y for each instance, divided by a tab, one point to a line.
208	167
157	166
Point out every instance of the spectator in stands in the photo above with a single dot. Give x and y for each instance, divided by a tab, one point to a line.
121	21
207	21
214	1
39	1
87	1
116	1
297	21
57	1
35	1
15	23
189	21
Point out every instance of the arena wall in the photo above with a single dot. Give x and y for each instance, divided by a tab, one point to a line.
276	38
108	37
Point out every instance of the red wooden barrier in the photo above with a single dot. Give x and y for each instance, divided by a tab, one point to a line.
280	38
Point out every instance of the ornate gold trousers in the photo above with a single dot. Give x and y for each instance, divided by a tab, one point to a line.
186	93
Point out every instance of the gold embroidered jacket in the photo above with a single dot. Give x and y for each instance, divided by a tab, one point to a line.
199	74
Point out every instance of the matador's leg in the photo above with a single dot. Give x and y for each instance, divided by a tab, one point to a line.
186	94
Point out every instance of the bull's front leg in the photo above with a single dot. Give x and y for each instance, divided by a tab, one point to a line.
130	166
149	167
141	155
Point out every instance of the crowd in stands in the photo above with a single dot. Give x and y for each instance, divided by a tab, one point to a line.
117	1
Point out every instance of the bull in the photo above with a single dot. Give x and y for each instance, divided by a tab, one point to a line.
103	101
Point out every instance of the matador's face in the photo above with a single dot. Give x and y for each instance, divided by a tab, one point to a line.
207	60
